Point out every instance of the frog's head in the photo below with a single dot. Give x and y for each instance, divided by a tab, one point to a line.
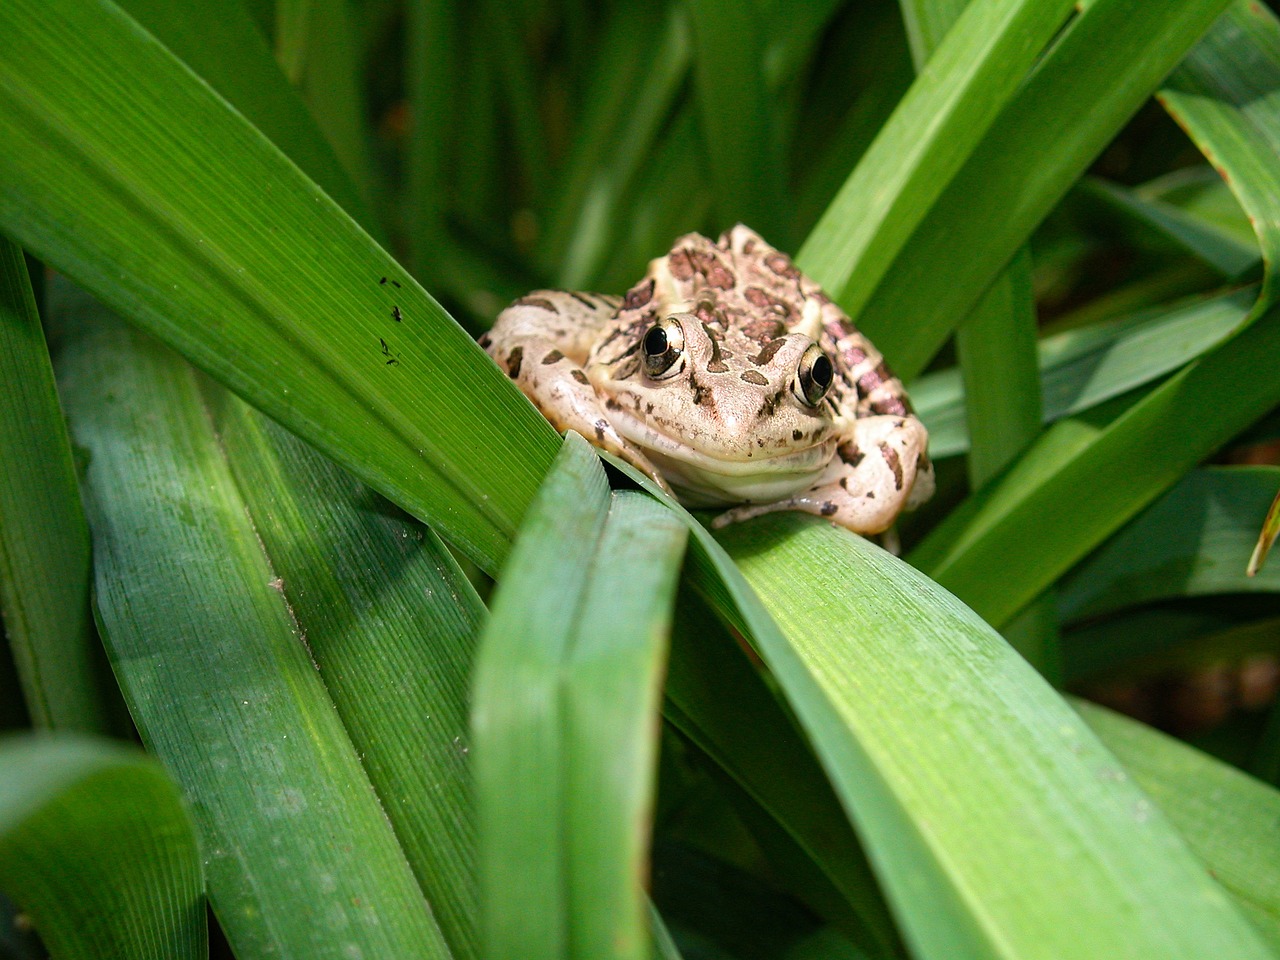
725	417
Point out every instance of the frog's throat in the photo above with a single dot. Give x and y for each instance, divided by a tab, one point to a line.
702	480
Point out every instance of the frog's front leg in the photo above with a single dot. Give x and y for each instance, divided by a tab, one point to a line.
542	341
882	470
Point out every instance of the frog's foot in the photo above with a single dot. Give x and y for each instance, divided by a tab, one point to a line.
559	388
871	481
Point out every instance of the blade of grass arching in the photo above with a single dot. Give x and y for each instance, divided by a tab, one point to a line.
1218	248
1194	540
954	759
97	847
1083	368
923	715
1087	475
1090	475
719	702
1107	62
1223	94
389	621
331	83
1225	816
217	675
1200	192
611	691
566	693
44	542
516	718
734	114
224	47
942	118
251	272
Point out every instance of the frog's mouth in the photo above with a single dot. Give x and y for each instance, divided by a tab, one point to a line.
703	480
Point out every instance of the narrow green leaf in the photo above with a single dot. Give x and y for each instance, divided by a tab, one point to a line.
924	716
294	23
432	69
1226	817
1266	538
1088	475
735	116
1080	369
567	688
1224	95
1106	63
516	714
934	131
219	681
97	847
44	541
1194	540
253	273
1212	244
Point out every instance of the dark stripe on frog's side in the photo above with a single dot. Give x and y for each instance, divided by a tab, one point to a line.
583	299
892	406
540	302
514	359
716	364
555	356
895	463
580	377
756	377
828	508
850	454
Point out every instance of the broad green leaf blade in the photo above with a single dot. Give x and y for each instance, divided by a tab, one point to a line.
1226	94
924	716
612	691
735	116
389	621
1088	475
1108	60
44	542
223	46
98	848
1080	369
217	677
253	273
1226	817
1194	540
517	725
938	124
567	690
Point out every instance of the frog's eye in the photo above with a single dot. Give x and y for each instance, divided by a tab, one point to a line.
661	346
813	376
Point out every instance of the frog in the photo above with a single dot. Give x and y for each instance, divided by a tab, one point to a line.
731	379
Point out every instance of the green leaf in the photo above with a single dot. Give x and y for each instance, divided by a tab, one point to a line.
922	715
97	847
1223	95
1080	369
252	272
1194	540
1226	817
935	129
566	690
44	542
212	662
1107	61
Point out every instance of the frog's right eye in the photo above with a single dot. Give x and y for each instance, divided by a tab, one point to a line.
661	346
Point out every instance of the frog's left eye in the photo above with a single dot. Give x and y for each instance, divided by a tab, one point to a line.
661	346
813	376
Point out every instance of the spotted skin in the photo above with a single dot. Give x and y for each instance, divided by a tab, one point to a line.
726	422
